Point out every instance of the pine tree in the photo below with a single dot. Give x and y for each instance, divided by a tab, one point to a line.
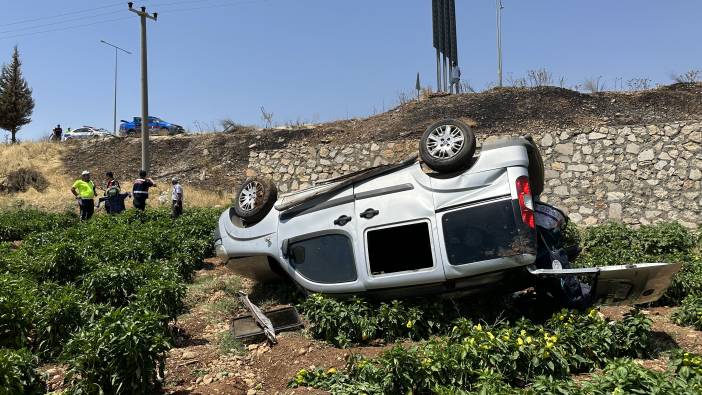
16	103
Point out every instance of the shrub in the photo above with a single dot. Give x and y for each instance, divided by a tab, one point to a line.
357	320
60	312
623	376
59	262
15	225
569	342
115	285
17	301
121	353
164	297
690	312
18	374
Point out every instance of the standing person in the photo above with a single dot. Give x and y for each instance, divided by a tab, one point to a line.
456	78
111	181
177	197
57	133
140	190
112	188
84	191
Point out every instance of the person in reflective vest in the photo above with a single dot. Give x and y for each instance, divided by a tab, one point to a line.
84	191
140	190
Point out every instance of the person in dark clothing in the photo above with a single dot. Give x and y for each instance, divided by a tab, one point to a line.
57	133
112	188
114	204
140	190
84	191
111	181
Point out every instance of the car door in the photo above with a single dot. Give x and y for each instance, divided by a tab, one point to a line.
318	245
397	230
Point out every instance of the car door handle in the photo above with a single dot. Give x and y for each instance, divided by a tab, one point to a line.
343	220
369	213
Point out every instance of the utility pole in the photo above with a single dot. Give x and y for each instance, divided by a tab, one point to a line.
114	119
499	42
145	154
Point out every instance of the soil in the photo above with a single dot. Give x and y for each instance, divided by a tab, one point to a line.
218	161
196	365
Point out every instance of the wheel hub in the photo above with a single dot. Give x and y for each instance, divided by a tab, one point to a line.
250	195
445	141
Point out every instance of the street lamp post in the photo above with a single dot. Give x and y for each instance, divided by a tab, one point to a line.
117	49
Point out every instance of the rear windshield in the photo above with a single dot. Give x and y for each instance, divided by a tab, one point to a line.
482	232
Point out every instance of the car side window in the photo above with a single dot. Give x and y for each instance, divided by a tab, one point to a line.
326	259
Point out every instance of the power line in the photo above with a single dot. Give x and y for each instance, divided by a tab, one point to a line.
64	28
221	5
62	14
60	22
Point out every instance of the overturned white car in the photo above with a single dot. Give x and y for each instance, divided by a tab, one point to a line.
450	221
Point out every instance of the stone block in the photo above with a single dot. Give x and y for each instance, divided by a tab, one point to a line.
646	155
615	211
565	149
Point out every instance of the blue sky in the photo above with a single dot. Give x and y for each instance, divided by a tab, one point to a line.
315	60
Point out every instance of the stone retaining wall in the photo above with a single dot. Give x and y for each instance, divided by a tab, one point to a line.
634	174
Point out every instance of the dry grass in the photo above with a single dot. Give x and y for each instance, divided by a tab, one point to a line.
45	158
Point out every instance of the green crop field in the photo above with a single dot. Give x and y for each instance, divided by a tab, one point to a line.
101	298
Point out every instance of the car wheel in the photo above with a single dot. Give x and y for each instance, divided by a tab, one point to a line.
131	132
254	199
447	146
536	168
165	131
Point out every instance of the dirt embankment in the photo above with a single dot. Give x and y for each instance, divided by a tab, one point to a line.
217	161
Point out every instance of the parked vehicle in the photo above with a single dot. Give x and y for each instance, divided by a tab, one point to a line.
156	126
466	222
86	132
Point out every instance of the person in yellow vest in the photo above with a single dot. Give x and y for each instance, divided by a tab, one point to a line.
84	191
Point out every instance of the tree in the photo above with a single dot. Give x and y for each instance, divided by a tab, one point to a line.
16	103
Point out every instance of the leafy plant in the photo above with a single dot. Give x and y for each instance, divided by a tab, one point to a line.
161	296
115	285
478	356
17	301
60	312
121	353
16	224
690	312
18	374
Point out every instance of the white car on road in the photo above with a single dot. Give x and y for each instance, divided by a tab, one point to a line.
86	132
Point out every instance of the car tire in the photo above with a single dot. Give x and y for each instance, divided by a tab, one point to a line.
166	131
254	199
536	168
131	132
447	146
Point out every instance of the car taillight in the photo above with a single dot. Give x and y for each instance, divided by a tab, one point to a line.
526	204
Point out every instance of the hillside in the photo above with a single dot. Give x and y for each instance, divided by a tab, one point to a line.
211	165
218	161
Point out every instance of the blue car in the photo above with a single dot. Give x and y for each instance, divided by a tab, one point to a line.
156	126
